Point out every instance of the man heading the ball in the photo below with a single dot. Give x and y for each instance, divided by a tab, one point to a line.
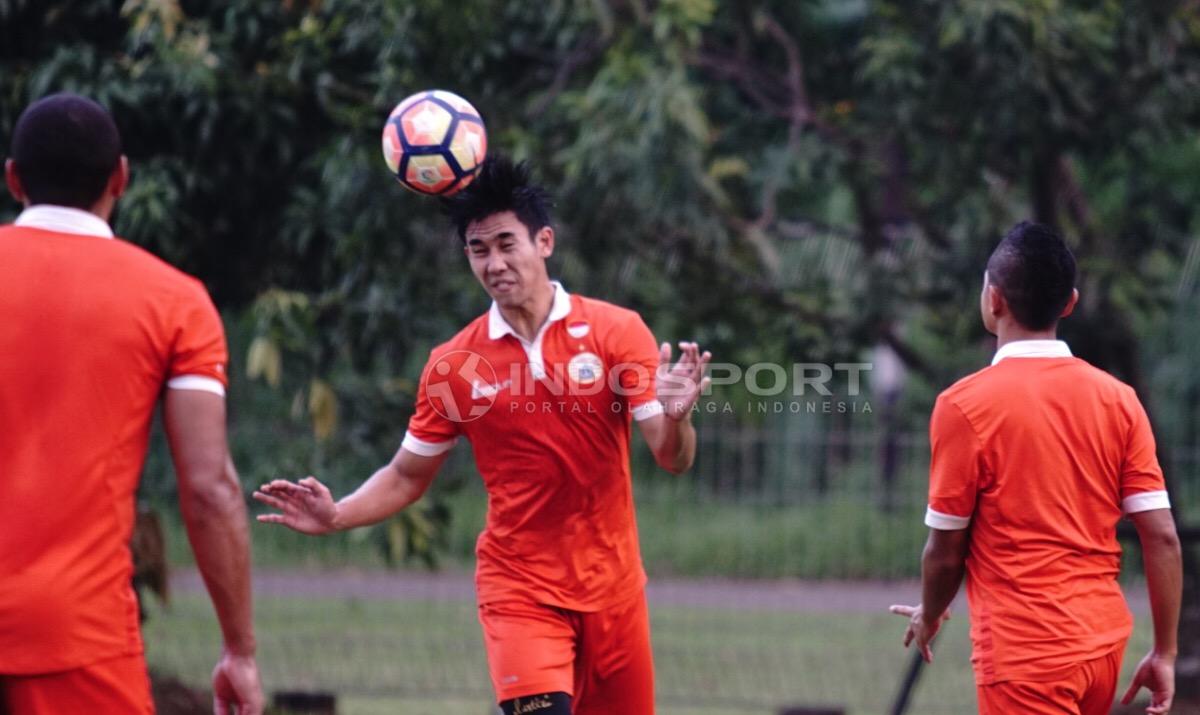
545	386
1035	460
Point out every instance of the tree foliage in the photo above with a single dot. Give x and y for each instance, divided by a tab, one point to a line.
777	178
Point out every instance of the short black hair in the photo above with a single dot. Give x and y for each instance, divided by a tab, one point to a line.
500	186
65	148
1035	272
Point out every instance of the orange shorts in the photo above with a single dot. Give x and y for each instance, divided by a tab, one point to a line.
1088	690
118	686
601	659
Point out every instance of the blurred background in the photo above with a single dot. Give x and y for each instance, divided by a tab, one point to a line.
788	181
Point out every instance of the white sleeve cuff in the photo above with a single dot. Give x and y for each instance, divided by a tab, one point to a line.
1145	501
426	449
945	522
647	410
196	382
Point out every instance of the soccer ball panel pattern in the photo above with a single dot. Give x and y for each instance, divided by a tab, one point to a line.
430	174
434	142
469	145
393	150
425	124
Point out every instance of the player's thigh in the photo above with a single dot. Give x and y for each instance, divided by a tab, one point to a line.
118	686
1028	698
530	649
1100	690
615	667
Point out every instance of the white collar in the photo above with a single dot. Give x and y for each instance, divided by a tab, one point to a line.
1032	349
498	327
63	219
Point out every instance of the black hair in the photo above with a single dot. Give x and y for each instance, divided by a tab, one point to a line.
1035	272
500	186
65	148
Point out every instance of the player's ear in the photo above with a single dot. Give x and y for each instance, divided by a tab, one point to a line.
996	301
1071	303
14	182
118	181
544	240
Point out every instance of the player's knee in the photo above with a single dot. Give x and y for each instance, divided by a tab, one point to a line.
543	704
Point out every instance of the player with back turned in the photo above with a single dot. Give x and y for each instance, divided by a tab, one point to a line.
1035	460
545	386
94	332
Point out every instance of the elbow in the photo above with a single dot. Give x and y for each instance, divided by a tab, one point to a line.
1165	542
1160	538
212	501
1171	541
674	465
217	497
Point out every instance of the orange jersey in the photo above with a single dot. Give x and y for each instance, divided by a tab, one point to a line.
93	329
549	424
1040	455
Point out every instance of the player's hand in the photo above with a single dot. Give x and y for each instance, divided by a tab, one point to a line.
306	506
680	385
236	686
919	629
1155	673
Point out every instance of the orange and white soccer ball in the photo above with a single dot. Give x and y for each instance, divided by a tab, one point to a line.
434	142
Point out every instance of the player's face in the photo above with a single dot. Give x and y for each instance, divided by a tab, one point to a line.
509	263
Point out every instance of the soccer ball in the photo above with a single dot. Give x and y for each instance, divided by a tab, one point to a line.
434	142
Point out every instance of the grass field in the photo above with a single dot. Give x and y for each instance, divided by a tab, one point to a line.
836	538
411	657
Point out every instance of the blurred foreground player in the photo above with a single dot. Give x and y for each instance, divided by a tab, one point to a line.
1035	460
93	330
544	386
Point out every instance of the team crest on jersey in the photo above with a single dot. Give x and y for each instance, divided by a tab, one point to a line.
585	368
578	328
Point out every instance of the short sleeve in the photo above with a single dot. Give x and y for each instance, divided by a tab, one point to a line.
634	355
199	355
432	429
955	468
1142	484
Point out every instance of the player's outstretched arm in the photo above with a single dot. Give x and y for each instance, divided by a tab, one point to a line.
214	511
308	506
1163	561
670	435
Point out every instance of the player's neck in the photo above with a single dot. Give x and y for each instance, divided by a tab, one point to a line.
529	317
103	208
1011	332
